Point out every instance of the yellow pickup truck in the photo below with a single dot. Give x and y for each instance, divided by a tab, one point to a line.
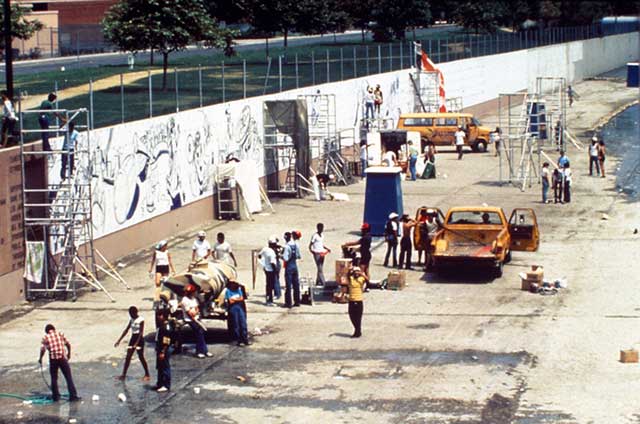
483	236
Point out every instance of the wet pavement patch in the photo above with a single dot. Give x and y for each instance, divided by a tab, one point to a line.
431	326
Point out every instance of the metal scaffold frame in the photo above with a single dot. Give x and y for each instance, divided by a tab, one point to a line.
553	92
520	146
58	214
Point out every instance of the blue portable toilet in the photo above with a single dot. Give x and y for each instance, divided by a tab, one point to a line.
633	74
537	119
383	195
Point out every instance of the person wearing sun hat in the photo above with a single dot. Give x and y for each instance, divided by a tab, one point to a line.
391	238
201	248
356	284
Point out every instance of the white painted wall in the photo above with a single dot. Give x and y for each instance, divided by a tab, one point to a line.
146	168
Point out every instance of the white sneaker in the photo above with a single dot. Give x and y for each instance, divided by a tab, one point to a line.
162	389
209	354
200	355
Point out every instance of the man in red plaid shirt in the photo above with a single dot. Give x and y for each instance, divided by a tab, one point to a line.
55	343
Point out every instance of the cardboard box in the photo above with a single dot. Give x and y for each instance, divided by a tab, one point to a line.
536	274
629	356
342	269
396	280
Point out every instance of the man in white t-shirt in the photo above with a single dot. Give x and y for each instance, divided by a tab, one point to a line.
319	251
222	251
460	136
201	248
269	262
593	156
191	309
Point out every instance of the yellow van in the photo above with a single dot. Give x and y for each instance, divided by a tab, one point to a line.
440	128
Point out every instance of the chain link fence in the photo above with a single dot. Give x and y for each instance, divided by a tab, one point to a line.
141	94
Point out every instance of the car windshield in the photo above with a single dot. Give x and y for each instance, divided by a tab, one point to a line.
475	122
475	217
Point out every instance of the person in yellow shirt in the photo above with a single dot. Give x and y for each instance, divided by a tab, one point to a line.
357	280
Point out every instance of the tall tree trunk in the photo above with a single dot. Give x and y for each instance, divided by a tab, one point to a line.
266	43
362	31
151	57
165	64
286	38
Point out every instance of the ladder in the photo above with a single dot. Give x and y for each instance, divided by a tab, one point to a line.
227	197
553	91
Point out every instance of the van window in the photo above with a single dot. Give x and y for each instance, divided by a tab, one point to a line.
418	122
476	122
447	122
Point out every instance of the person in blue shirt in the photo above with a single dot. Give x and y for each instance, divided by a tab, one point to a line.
68	147
291	256
562	160
235	297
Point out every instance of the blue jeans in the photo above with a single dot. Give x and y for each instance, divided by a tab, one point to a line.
412	167
363	164
164	370
43	120
277	291
238	322
292	280
545	190
201	345
369	107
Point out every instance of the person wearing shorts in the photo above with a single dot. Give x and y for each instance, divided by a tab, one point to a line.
160	263
136	343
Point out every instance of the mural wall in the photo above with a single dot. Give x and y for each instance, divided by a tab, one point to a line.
142	169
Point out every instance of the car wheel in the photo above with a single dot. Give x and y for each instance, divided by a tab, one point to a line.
480	146
507	257
499	269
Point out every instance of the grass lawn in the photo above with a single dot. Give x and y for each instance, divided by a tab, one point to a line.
312	68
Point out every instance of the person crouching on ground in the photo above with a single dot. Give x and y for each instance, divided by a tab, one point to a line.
55	342
191	310
235	297
357	281
136	343
163	354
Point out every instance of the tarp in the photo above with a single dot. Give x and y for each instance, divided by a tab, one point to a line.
246	175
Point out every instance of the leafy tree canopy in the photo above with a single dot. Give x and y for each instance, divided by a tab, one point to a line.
21	27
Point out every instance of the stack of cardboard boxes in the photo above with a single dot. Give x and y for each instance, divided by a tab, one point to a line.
532	279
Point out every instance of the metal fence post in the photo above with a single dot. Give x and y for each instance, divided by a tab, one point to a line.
439	51
341	64
244	76
366	49
91	103
355	64
313	68
122	98
390	57
379	59
280	73
175	75
150	97
328	66
51	40
447	52
401	56
200	83
297	75
224	92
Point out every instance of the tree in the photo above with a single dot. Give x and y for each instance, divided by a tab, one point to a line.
162	25
21	27
393	17
514	12
321	17
478	16
360	13
272	16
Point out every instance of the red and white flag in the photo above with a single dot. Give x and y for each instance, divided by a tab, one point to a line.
423	62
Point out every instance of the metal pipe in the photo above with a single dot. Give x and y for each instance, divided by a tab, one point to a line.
200	83
224	88
244	78
122	98
297	74
175	76
150	96
328	67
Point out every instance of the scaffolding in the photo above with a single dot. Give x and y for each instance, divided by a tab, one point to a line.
520	119
553	92
426	91
57	213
